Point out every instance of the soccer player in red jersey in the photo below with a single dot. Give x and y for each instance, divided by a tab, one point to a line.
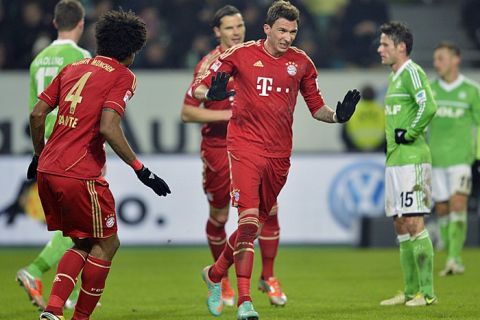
268	76
229	28
91	96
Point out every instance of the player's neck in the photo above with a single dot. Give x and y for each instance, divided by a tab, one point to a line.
69	35
270	49
399	63
451	76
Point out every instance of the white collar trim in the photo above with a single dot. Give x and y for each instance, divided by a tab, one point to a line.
400	70
452	85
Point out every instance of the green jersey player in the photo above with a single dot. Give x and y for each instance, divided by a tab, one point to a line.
409	108
452	144
69	21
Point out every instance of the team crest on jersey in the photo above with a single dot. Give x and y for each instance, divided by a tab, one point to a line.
127	96
462	95
235	195
291	68
398	84
217	64
110	220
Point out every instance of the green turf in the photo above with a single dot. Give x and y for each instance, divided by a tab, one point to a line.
321	283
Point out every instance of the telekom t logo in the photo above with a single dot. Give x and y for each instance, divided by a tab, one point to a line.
264	85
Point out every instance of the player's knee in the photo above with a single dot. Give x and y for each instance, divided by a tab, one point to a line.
219	215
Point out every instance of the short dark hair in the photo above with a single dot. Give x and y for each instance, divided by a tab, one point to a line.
452	47
120	34
67	14
398	32
227	10
282	9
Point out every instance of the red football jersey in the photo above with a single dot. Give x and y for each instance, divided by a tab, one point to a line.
81	91
214	133
266	93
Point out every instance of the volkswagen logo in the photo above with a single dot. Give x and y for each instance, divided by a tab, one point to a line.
358	190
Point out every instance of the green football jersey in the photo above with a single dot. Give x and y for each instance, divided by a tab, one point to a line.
409	105
44	68
451	133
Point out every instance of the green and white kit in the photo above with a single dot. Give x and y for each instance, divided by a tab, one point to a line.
45	67
409	105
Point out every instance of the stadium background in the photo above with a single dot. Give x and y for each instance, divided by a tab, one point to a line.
178	36
332	197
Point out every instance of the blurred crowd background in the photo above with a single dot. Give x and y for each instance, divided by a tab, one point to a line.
335	33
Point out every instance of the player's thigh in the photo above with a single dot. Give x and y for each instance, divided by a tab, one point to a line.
440	188
49	200
216	176
460	180
88	208
408	189
245	178
273	180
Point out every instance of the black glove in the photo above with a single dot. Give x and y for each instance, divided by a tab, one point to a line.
346	108
218	88
400	136
32	168
151	180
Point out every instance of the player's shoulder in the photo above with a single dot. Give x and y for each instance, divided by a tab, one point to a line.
207	60
300	55
241	47
471	83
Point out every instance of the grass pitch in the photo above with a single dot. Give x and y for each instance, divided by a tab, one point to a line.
321	283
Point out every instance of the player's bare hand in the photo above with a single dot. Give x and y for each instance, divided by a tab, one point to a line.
151	180
218	88
346	108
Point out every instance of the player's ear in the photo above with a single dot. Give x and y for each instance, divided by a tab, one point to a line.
267	29
55	24
216	30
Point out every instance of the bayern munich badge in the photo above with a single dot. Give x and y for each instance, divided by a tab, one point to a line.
291	68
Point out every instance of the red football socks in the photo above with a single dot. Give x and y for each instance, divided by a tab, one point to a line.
94	276
68	269
269	240
223	263
216	237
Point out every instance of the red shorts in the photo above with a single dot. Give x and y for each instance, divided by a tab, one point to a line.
256	181
216	176
80	208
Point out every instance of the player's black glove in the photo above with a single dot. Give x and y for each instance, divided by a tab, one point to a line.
400	136
32	168
151	180
346	108
218	88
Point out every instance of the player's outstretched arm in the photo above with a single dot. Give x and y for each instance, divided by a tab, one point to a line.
37	133
202	115
112	131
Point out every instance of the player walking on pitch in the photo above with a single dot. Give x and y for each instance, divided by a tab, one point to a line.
268	76
91	96
69	21
452	145
229	28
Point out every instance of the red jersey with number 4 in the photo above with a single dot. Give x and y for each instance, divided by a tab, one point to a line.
214	133
266	93
81	91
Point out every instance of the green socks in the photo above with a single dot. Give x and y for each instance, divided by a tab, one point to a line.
457	233
423	255
50	255
443	222
407	261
